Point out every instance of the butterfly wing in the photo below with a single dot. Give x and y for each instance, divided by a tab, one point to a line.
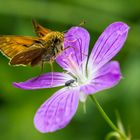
12	45
40	30
30	57
21	50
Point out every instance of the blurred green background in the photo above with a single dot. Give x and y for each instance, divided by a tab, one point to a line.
17	107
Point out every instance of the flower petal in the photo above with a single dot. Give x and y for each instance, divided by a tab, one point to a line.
108	76
48	80
78	40
108	45
57	111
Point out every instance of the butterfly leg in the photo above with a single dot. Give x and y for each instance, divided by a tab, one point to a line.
52	69
42	67
74	48
41	72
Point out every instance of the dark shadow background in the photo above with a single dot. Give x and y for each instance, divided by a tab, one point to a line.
17	107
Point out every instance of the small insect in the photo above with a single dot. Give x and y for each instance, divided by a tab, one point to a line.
69	82
24	50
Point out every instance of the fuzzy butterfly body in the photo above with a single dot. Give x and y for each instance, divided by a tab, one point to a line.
24	50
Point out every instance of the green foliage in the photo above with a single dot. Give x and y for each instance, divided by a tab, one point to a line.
17	107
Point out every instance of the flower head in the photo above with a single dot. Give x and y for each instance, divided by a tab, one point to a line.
83	75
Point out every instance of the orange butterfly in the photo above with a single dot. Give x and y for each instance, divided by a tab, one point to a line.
24	50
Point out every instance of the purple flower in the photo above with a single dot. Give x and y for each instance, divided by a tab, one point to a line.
83	75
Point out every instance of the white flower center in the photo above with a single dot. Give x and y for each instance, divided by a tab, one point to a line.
80	76
79	72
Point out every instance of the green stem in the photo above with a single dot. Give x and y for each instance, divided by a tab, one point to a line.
104	115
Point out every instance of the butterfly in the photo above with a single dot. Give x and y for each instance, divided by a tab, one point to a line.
26	50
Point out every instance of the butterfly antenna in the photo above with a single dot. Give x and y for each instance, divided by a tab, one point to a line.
34	23
82	23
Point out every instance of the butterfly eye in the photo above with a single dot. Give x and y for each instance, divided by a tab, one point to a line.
56	40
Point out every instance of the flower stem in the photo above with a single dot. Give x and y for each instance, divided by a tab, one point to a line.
107	119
